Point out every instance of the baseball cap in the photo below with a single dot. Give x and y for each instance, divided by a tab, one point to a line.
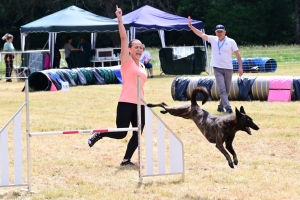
220	27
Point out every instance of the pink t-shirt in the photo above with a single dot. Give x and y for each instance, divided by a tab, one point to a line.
129	72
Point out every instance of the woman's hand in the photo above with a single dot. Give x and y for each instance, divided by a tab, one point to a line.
118	12
189	21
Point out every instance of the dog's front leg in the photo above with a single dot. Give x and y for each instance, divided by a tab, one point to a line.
229	147
219	145
162	104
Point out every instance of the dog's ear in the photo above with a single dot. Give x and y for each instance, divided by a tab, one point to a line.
236	110
242	110
237	113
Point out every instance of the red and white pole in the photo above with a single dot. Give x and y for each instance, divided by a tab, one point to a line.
65	132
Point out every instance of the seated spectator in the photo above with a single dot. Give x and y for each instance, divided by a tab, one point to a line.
84	45
145	59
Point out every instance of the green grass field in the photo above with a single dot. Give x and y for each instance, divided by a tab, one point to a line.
285	56
64	167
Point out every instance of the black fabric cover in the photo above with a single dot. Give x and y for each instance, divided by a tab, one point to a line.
199	62
61	75
88	74
81	58
25	59
98	79
81	77
108	75
205	82
192	64
296	86
68	77
73	74
180	85
245	84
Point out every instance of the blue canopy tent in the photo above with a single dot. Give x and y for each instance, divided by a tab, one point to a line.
71	19
148	18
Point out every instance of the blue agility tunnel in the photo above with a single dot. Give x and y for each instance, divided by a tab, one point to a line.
256	65
52	79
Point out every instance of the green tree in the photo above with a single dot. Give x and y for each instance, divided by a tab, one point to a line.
248	22
264	22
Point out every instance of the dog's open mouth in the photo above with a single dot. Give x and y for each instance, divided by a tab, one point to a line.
248	130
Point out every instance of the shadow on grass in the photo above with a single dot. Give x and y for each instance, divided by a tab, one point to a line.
158	183
120	169
167	76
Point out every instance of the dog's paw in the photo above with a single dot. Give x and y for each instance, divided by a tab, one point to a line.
236	162
231	164
163	112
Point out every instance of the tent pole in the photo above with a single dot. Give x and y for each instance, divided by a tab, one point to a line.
161	34
209	70
128	36
93	39
52	38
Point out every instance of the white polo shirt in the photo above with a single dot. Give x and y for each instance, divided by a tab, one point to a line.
145	57
221	54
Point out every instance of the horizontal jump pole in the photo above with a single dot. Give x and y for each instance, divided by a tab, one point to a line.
65	132
28	51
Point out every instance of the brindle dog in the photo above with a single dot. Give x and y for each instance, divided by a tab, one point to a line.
216	129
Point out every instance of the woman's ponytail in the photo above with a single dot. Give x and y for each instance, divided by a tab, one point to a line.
5	36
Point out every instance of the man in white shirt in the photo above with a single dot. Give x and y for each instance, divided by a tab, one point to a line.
145	59
222	48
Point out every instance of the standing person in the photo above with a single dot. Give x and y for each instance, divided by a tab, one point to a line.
68	48
84	44
145	59
222	48
57	55
9	57
127	104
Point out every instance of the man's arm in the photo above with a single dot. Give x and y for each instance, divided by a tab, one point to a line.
197	31
239	59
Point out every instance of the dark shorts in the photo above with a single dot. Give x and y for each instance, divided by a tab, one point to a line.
148	66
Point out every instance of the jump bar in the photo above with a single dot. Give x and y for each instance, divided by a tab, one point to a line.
65	132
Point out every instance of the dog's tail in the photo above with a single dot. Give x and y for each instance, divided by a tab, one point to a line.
197	90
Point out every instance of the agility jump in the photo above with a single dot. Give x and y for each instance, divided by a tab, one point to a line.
175	162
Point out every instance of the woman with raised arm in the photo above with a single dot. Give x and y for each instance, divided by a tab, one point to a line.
131	68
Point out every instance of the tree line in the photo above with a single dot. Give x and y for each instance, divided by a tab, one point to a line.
249	22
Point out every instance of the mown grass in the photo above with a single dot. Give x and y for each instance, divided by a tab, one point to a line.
64	167
284	55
